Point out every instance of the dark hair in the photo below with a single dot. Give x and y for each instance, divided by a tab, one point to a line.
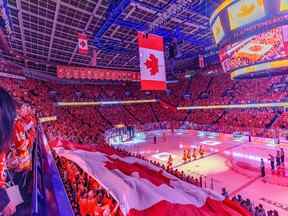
7	117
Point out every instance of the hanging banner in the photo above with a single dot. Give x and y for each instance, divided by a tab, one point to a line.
69	72
201	61
152	62
83	44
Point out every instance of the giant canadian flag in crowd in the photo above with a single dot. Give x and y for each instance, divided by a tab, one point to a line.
143	189
152	62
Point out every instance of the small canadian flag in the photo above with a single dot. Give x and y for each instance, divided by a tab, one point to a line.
201	61
83	43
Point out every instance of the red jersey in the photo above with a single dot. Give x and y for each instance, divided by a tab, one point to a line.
21	159
98	211
83	206
2	169
108	203
91	206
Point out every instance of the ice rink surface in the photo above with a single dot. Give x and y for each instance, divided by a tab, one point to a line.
227	162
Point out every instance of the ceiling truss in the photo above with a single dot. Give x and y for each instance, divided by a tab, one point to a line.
45	31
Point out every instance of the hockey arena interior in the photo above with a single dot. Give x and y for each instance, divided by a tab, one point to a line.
143	107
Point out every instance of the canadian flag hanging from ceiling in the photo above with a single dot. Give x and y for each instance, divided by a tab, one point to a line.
152	62
83	43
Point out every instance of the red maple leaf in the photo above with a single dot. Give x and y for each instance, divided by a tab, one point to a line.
152	64
255	48
83	44
157	178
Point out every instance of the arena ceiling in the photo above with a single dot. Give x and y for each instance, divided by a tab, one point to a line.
45	31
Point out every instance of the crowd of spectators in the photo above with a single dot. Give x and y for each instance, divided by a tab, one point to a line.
265	122
86	124
87	196
257	210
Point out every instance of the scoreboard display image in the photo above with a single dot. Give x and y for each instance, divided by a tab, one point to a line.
283	5
261	48
244	12
217	29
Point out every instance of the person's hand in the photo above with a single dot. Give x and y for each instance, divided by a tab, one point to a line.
9	210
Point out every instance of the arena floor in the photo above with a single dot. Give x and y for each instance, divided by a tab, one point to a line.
228	162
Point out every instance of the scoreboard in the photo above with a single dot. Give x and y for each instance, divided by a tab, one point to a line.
252	36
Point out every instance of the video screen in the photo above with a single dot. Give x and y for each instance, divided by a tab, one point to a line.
283	5
217	30
245	12
264	47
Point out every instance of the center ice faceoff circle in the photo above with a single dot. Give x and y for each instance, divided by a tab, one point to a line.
210	142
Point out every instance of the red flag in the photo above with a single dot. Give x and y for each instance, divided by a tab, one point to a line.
142	188
83	44
152	62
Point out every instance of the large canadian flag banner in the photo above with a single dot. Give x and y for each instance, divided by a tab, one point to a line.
142	189
152	62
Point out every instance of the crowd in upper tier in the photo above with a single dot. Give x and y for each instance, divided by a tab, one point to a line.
87	124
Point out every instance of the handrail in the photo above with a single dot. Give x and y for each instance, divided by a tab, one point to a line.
49	196
35	178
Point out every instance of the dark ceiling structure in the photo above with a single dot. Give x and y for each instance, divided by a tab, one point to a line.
44	32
